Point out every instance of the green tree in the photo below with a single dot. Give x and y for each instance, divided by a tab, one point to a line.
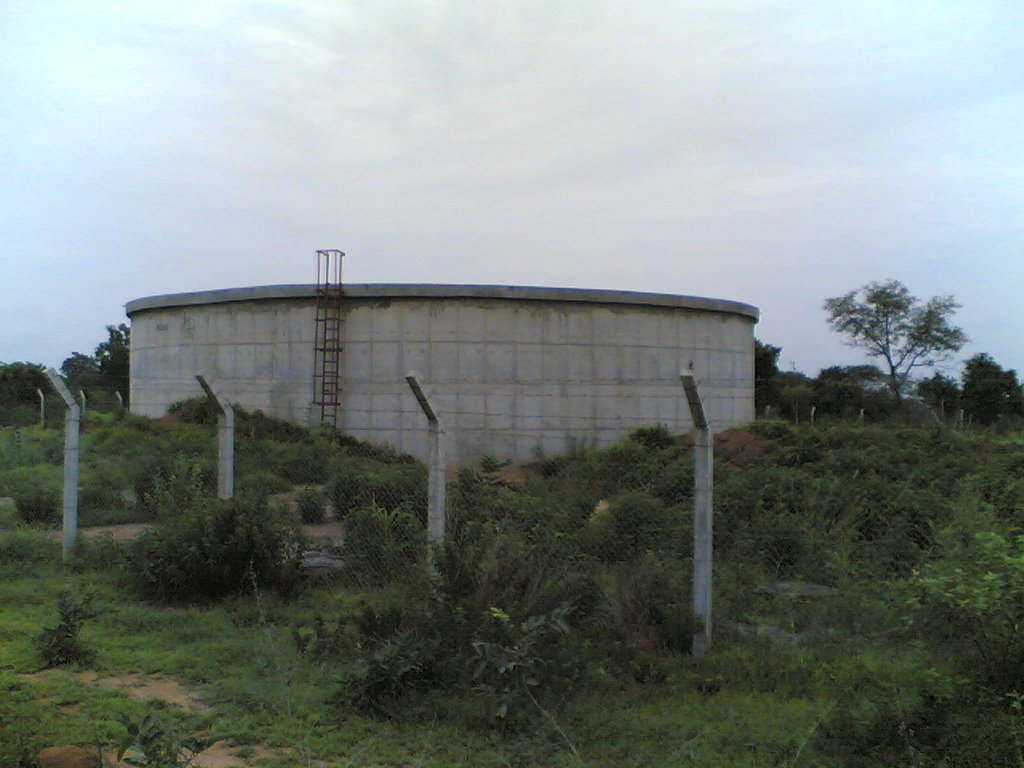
843	390
889	322
112	357
795	394
18	398
81	372
941	393
766	369
19	381
990	392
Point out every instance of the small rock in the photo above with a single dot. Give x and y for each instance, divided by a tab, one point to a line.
67	757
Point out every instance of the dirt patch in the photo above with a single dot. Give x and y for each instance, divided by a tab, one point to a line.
741	446
146	687
218	755
329	530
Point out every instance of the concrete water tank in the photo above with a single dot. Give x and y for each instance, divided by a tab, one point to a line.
515	371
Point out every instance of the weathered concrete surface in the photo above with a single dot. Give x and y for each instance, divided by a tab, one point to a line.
515	370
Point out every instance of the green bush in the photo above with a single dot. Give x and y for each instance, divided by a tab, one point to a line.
888	710
299	463
195	410
383	545
398	653
20	714
59	646
493	621
634	523
654	438
166	491
513	659
968	599
39	509
214	550
650	607
357	486
98	505
27	546
261	484
311	503
259	426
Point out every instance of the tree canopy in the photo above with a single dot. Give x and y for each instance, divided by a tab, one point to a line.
887	321
990	392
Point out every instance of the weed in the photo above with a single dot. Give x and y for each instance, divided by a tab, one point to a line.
60	646
155	741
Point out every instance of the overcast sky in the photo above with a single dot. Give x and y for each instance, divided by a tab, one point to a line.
774	153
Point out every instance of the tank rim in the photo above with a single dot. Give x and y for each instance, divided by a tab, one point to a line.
370	291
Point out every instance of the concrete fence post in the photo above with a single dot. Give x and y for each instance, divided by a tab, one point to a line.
860	417
225	440
120	400
814	408
72	422
703	486
42	407
81	397
436	482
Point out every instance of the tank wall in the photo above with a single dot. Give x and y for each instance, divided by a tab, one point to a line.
510	378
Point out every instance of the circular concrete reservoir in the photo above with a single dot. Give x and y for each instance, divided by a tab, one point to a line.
513	371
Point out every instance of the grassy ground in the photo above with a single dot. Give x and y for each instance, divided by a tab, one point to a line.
883	517
241	657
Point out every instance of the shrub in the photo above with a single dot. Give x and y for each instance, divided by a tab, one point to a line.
27	546
38	509
195	410
513	659
382	545
157	741
650	606
299	463
261	484
217	549
888	710
20	714
398	652
59	646
633	524
97	553
498	609
654	438
165	491
98	505
259	426
356	486
968	600
311	502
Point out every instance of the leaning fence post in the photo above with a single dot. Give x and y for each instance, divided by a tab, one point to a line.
814	409
436	479
703	485
81	397
42	407
120	400
225	440
72	419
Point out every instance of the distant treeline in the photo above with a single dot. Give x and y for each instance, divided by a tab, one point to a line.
985	395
